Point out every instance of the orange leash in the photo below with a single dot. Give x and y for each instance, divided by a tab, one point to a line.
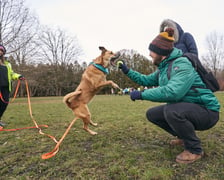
56	148
15	94
16	91
1	97
58	143
31	114
1	128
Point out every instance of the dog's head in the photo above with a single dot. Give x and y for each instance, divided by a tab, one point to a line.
106	58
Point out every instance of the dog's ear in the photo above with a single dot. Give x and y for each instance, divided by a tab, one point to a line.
103	49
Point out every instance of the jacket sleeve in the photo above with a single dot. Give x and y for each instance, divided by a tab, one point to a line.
190	43
144	80
14	76
181	79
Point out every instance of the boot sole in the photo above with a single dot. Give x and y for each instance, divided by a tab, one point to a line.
189	161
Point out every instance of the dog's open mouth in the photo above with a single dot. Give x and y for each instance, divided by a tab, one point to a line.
114	59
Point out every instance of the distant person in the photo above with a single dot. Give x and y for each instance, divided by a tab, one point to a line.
183	40
112	91
6	77
190	106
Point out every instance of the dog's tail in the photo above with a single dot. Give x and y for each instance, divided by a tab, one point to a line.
70	96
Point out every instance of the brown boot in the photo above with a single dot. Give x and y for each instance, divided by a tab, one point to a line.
177	142
187	157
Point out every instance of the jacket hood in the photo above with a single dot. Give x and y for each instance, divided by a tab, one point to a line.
178	31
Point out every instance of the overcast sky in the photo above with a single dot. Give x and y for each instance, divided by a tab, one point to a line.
128	24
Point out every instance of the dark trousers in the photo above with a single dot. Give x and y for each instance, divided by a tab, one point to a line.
181	120
5	95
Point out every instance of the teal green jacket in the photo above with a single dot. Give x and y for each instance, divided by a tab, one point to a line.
178	89
11	74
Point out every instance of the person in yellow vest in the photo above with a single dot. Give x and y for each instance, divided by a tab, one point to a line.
6	76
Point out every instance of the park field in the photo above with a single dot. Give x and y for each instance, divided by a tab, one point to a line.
127	146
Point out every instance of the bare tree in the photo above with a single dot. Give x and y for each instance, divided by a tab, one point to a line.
60	51
57	47
215	54
17	24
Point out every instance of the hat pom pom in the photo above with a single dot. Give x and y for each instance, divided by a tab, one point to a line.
170	31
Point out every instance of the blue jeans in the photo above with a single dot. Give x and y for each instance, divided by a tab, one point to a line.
182	119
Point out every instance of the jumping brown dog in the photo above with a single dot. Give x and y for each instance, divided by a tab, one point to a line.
93	79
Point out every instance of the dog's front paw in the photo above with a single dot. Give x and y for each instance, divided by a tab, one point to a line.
115	86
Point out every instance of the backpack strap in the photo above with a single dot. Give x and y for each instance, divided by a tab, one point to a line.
170	67
170	62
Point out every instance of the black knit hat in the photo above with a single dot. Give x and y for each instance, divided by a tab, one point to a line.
163	43
3	49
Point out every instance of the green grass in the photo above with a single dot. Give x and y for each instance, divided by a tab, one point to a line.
127	146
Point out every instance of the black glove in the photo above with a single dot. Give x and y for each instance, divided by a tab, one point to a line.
121	65
136	95
21	78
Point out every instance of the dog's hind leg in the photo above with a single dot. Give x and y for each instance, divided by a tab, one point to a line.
84	114
86	122
89	118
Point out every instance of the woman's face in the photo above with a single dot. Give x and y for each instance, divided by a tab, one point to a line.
1	53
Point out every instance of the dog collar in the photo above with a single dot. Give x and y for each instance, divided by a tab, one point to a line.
100	67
